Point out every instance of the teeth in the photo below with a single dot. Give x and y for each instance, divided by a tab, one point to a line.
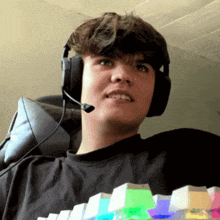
117	96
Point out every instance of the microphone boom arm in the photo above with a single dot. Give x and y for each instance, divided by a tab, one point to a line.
87	108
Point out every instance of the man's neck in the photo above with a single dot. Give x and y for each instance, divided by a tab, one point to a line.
100	136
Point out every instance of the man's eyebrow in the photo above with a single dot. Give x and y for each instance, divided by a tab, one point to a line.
142	61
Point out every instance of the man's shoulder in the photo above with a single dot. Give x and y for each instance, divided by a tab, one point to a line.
184	137
184	145
32	161
188	132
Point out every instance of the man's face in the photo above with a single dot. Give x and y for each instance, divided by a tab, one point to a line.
121	90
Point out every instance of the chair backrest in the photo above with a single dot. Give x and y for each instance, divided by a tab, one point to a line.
33	122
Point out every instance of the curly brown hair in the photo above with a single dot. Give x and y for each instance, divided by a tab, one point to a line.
112	35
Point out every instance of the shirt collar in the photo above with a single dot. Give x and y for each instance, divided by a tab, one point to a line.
112	150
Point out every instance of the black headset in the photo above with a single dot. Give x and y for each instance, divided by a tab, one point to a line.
72	83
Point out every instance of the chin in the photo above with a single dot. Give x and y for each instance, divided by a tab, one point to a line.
122	119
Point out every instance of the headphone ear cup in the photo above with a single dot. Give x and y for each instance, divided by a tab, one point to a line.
76	77
161	94
72	76
65	65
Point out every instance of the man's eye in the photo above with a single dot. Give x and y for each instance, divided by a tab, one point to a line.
106	62
142	68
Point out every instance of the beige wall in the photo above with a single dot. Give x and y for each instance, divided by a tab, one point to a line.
33	34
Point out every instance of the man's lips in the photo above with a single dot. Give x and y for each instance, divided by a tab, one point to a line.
120	92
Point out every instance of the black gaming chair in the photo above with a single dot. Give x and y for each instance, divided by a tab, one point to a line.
33	122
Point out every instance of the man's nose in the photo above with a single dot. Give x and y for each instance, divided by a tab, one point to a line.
122	73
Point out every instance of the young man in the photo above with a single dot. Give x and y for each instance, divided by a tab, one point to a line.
121	56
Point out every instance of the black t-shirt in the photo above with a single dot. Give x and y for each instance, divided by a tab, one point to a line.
41	185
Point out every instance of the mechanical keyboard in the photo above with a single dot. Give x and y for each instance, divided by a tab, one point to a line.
135	201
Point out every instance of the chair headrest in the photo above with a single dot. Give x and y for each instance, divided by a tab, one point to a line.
32	123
